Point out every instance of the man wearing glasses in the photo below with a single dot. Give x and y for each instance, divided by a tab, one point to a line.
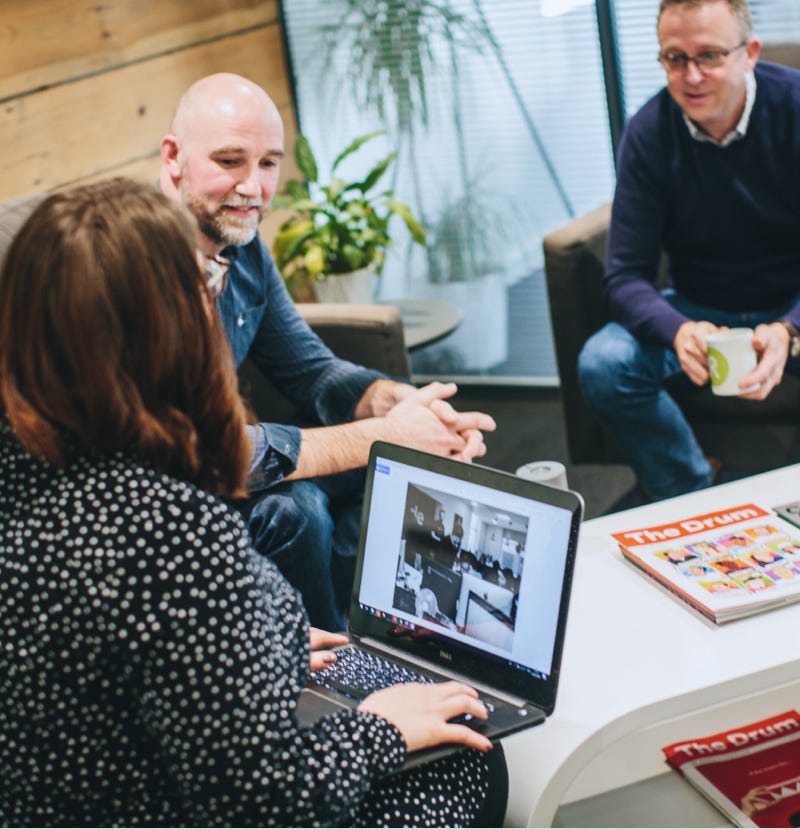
221	158
708	171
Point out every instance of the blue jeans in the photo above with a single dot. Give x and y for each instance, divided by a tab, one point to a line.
625	383
309	530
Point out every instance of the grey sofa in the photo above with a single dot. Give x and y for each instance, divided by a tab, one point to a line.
371	335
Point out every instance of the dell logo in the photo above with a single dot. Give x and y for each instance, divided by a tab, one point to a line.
445	655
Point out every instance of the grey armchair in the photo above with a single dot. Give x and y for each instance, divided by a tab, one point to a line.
371	335
744	434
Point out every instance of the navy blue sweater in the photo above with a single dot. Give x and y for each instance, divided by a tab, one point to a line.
728	217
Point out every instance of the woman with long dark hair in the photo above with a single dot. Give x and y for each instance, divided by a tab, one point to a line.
150	664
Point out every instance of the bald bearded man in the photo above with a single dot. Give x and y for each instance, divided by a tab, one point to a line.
221	158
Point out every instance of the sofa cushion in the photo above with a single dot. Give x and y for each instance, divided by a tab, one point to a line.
13	213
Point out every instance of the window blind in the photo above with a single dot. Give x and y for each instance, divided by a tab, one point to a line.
497	111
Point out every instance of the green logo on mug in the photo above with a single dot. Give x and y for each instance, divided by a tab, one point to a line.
717	366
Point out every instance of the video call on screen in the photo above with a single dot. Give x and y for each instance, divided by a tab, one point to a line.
481	566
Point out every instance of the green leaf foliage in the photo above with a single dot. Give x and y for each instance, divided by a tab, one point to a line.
353	146
404	212
338	227
297	190
305	158
376	173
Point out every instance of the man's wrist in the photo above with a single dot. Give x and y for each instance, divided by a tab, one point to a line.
679	334
378	398
794	337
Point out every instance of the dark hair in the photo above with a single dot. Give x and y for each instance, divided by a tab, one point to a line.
739	8
109	340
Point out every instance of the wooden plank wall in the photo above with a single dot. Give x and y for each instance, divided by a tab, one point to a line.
88	87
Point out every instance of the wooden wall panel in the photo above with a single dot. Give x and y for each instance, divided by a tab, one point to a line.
100	124
46	42
88	87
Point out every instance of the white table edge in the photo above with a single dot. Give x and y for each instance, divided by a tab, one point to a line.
535	795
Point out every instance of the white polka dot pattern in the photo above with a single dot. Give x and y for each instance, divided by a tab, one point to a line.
150	666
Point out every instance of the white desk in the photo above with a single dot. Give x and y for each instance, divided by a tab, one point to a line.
641	670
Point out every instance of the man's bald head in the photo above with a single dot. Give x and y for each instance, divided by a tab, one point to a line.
223	95
221	157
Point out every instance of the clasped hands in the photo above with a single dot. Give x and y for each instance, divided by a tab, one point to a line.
770	341
423	419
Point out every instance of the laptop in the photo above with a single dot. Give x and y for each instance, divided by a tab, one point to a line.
462	572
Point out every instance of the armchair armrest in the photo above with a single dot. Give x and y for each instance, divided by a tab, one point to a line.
785	53
574	260
369	335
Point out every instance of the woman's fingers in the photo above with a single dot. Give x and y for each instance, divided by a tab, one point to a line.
422	711
324	639
320	639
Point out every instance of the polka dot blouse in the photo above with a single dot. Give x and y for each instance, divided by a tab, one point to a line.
150	665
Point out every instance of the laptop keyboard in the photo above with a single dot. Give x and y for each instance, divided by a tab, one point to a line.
358	673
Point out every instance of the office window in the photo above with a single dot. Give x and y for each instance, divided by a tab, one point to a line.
497	111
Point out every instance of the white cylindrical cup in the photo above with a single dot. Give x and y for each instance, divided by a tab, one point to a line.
731	356
552	473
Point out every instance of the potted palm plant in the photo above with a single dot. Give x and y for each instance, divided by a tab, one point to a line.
337	234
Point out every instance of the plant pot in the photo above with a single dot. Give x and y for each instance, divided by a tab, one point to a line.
355	287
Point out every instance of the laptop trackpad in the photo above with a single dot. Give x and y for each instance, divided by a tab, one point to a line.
312	706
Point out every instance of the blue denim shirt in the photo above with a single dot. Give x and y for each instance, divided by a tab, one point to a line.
262	323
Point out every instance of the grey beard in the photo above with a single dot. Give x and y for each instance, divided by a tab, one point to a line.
216	227
226	233
223	232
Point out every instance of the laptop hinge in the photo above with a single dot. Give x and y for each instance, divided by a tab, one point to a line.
413	660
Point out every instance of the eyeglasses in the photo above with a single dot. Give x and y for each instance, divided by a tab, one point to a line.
216	273
711	59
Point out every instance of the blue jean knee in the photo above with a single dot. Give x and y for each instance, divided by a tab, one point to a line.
291	525
613	362
624	381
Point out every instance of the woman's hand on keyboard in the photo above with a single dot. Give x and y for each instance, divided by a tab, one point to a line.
421	712
322	640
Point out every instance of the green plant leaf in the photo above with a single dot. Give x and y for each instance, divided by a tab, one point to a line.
353	146
289	240
356	208
282	201
305	206
354	257
294	192
314	260
335	189
375	174
305	158
373	237
343	228
297	190
404	212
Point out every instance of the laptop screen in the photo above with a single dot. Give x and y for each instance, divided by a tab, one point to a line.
467	562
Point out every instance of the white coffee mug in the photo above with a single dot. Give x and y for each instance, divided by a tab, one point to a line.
552	473
731	356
